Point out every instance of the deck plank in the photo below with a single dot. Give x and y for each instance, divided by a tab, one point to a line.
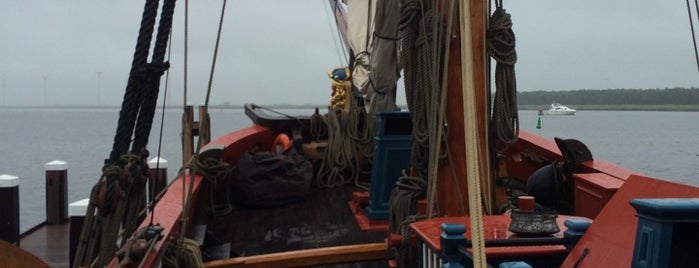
322	220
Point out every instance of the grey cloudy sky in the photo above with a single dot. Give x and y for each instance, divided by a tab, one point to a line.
280	51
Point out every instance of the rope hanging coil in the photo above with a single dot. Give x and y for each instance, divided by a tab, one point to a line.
501	46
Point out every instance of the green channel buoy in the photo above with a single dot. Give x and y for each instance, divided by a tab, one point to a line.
538	122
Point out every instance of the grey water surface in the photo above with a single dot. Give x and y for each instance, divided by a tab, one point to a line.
658	144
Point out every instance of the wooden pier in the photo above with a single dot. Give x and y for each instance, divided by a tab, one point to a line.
49	243
52	240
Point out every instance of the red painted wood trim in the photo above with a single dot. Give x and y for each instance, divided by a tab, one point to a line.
169	210
548	151
236	143
611	237
495	227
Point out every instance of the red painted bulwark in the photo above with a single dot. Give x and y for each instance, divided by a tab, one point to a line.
611	237
531	152
167	213
593	191
169	209
236	143
495	227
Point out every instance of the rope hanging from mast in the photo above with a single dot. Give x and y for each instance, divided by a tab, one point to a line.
119	195
501	46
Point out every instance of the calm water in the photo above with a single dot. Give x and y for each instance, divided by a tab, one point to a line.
659	144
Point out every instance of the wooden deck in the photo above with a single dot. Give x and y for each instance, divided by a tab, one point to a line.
324	219
49	243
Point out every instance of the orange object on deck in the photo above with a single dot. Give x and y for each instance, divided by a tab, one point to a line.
281	143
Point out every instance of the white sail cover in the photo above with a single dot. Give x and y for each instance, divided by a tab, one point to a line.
360	28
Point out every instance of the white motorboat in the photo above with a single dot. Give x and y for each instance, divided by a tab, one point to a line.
559	109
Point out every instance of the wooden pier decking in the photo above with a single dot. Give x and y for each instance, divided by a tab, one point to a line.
49	243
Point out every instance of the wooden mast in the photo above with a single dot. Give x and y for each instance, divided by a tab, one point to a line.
450	203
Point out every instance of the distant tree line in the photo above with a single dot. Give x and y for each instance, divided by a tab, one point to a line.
668	96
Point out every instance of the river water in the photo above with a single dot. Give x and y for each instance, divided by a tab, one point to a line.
659	144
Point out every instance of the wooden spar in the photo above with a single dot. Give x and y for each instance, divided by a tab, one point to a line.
449	202
187	135
309	257
204	126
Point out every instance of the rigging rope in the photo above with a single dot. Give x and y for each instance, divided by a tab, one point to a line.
153	72
472	139
501	46
691	26
120	193
438	135
162	126
133	96
213	62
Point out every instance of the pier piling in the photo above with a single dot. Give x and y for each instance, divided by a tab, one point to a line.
77	211
9	209
158	176
56	192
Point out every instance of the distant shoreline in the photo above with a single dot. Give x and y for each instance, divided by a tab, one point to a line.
626	107
664	107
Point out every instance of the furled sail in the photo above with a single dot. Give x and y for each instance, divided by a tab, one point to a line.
372	28
381	90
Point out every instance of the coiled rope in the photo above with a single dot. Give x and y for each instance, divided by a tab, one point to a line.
501	46
183	253
421	32
350	136
402	212
336	167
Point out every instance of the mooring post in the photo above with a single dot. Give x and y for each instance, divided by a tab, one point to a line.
56	192
77	211
451	239
157	169
9	209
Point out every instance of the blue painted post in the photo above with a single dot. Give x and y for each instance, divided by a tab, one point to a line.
576	228
391	156
667	232
514	264
451	239
9	209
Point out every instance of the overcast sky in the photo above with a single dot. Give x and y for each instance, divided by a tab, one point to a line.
280	51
